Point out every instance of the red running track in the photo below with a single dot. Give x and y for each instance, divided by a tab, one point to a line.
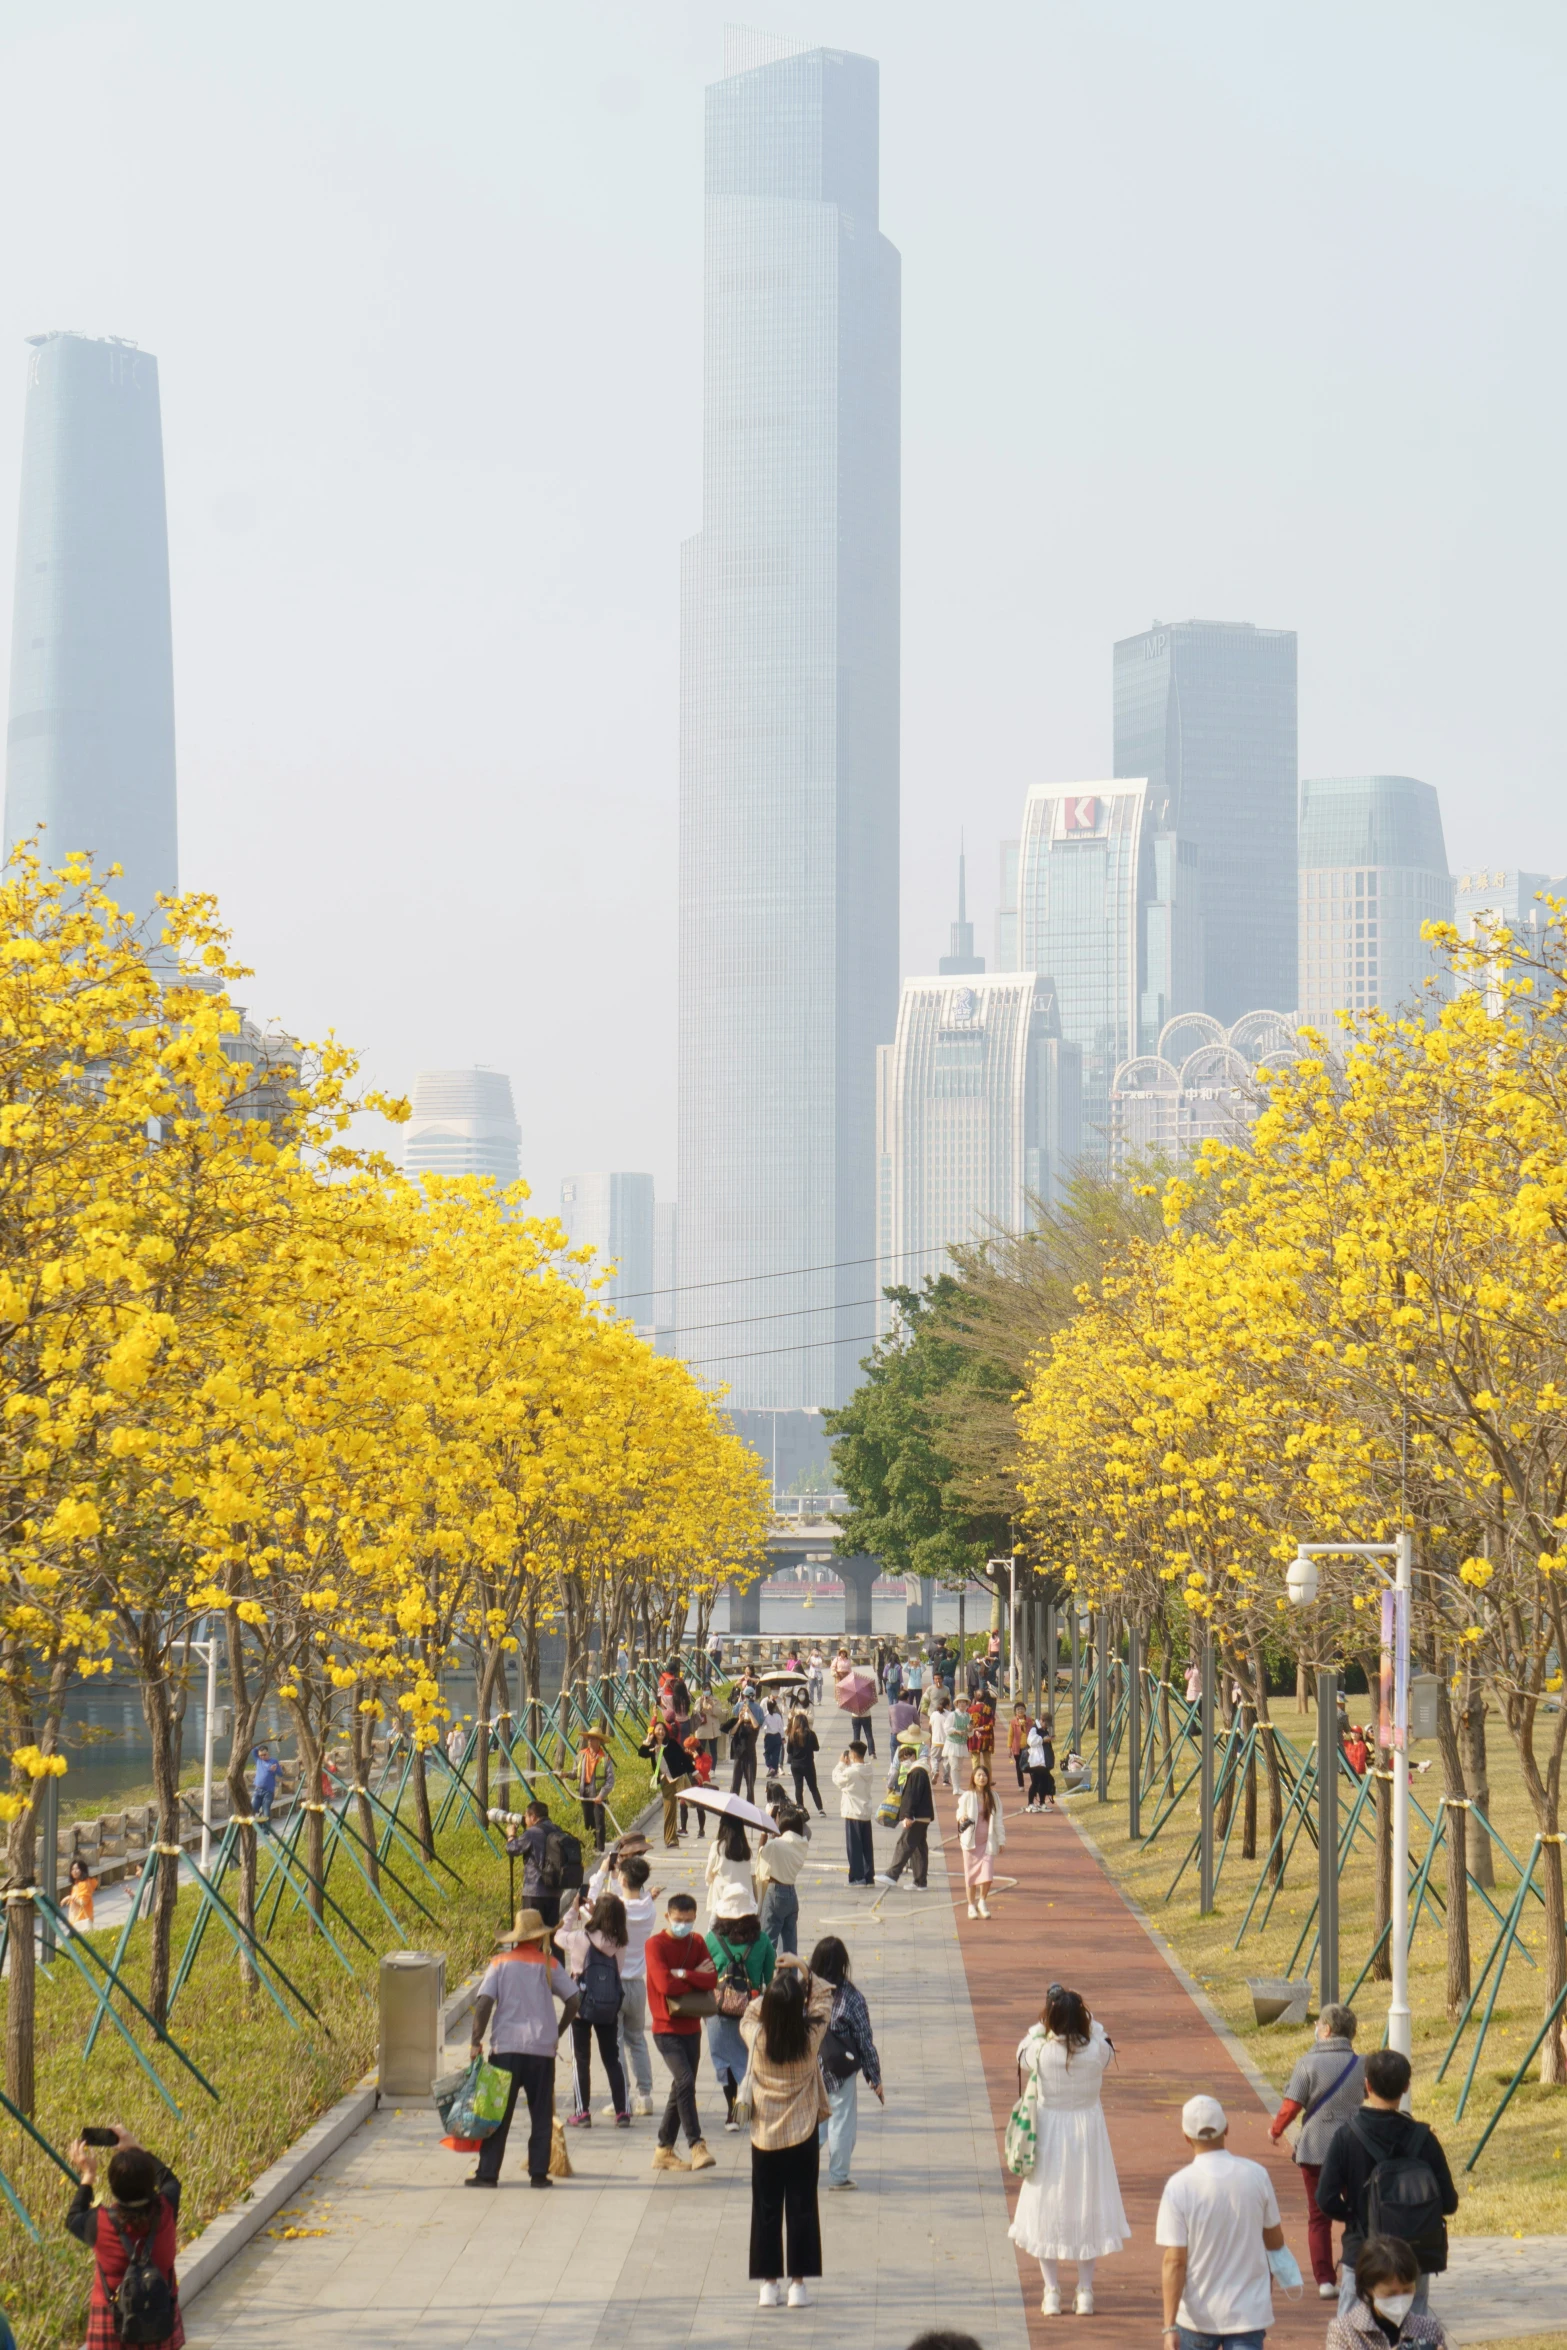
1066	1922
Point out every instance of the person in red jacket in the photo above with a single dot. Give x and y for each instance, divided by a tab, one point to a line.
678	1965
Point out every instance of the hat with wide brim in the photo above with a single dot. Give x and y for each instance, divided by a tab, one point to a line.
732	1900
530	1927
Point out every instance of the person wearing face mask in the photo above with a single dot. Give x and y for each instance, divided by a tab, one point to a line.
681	1980
1386	2276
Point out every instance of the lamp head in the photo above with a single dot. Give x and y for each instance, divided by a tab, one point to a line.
1301	1581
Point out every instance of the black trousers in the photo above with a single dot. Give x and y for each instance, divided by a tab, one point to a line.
745	1769
783	2194
1041	1782
593	1819
803	1772
862	1727
582	2037
1017	1761
912	1851
535	2077
682	2053
862	1852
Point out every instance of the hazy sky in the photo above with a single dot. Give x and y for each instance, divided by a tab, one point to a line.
1235	310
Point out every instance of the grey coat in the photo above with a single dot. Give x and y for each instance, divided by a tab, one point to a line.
1316	2072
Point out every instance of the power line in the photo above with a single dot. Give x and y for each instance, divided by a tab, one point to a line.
791	1273
866	1338
790	1314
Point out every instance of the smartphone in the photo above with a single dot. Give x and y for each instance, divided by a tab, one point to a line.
91	2137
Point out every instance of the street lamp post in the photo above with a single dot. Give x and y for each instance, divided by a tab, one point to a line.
210	1646
1301	1584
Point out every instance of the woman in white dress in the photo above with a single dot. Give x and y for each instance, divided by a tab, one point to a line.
1070	2207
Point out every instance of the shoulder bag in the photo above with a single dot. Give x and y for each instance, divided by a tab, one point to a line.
1022	2134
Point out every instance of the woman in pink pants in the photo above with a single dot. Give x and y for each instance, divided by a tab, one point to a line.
981	1832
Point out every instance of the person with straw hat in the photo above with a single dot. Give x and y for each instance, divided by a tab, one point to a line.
519	1991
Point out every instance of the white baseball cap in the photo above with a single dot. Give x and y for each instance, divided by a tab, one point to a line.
1203	2117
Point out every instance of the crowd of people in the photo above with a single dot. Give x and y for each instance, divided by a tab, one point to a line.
596	1962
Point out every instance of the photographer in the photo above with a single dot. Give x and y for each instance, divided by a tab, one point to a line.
132	2241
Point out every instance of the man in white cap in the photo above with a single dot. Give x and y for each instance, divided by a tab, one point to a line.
1218	2221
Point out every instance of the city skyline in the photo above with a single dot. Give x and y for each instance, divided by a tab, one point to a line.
789	719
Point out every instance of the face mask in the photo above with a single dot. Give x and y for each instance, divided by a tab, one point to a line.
1395	2306
680	1928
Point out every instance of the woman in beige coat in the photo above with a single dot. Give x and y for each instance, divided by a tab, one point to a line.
784	2030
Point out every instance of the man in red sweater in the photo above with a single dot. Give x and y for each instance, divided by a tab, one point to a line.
678	1966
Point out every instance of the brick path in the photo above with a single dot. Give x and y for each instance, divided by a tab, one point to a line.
1066	1922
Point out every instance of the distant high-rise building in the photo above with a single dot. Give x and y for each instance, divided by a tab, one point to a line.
977	1117
789	731
960	957
666	1240
463	1123
1505	896
1006	908
614	1215
1373	868
1087	876
90	747
1205	710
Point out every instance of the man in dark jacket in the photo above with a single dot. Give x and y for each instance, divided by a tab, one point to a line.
1379	2133
916	1810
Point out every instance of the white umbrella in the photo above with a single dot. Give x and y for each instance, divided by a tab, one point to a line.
733	1807
783	1680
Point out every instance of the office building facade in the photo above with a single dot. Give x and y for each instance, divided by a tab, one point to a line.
977	1118
1373	870
1205	712
90	742
1005	957
789	732
463	1123
614	1215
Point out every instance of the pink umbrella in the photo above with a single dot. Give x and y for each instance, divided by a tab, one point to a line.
856	1692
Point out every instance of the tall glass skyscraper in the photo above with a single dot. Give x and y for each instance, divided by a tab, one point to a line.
463	1123
90	746
1373	869
1086	876
789	734
1205	710
613	1214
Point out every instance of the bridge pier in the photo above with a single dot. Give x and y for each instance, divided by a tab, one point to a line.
920	1613
745	1607
859	1578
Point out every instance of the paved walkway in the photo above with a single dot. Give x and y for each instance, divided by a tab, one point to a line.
617	2256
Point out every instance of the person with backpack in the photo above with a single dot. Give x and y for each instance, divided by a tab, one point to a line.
594	1946
848	2050
1384	2174
135	2292
551	1862
1324	2089
1386	2275
745	1958
626	1872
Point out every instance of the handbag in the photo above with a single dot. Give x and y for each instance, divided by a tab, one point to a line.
1298	2125
691	2003
839	2060
745	2102
1022	2133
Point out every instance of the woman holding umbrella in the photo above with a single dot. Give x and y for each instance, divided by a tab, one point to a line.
855	1691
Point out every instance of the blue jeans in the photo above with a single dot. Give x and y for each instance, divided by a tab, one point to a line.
779	1917
1248	2341
839	2131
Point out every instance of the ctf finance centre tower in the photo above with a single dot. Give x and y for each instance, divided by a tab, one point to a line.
789	734
90	745
1205	710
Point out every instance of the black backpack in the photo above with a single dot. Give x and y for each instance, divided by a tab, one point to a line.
561	1867
1403	2198
599	1989
144	2301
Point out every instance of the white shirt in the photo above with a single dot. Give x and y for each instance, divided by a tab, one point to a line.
856	1785
640	1917
1216	2209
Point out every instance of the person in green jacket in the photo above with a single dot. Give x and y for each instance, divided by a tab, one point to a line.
744	1957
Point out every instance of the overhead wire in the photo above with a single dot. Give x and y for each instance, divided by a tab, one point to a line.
790	1273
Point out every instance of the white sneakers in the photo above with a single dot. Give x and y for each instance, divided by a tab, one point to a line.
1327	2292
767	2298
799	2298
642	2105
973	1912
984	1907
1084	2304
1050	2306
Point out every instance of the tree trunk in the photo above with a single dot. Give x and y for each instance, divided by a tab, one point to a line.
486	1698
1225	1723
421	1787
1457	1824
1477	1778
1382	1964
164	1724
1553	2056
361	1730
505	1731
247	1707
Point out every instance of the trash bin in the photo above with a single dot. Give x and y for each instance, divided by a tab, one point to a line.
413	1995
